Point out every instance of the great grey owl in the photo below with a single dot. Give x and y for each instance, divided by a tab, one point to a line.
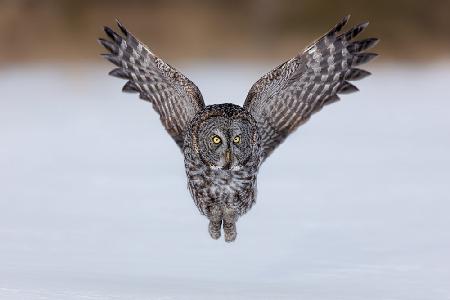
224	145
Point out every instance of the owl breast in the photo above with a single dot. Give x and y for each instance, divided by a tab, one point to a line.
211	188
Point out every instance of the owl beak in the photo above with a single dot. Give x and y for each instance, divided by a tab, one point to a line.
227	164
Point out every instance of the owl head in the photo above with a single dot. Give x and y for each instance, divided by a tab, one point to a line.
224	137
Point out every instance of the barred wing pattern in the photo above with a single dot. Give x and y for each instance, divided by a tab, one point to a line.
173	95
286	97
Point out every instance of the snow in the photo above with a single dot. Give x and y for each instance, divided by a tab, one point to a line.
94	204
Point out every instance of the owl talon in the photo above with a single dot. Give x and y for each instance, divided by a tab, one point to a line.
229	230
214	229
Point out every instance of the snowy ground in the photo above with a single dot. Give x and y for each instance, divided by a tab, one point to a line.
94	205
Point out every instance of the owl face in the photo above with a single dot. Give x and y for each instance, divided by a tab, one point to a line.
225	143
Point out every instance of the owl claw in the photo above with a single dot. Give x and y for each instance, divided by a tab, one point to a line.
214	229
229	230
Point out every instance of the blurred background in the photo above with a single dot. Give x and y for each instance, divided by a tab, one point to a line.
93	197
197	30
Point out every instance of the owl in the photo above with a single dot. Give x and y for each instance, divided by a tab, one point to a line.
224	145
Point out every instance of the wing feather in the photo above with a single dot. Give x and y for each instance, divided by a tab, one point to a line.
287	96
173	96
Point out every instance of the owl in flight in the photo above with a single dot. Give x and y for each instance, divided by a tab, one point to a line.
224	145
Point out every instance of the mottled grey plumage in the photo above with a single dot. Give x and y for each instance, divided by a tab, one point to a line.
221	189
224	145
174	97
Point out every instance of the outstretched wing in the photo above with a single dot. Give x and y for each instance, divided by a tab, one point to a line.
173	95
287	96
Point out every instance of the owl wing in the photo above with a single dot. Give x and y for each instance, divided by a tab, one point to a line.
173	95
287	96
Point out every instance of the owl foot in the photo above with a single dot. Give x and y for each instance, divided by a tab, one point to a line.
214	229
230	231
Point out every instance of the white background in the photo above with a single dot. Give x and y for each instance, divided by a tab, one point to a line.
94	204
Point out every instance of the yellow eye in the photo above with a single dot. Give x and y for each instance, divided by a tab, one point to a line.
216	140
237	139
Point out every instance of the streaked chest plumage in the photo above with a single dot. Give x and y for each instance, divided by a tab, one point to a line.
209	187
